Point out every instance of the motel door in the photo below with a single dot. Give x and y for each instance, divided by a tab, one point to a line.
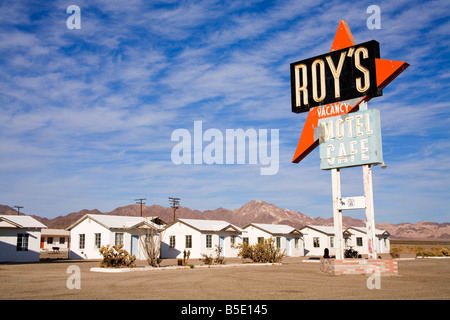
288	247
134	245
221	240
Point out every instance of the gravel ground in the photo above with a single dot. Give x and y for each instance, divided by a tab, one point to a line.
425	279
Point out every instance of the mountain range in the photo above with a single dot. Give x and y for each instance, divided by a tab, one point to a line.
255	211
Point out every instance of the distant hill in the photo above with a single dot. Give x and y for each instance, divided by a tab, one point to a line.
256	211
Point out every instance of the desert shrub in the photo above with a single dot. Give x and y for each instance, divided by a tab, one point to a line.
116	257
209	260
263	252
218	259
186	256
433	252
395	253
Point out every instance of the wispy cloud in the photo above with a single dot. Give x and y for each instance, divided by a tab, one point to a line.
87	115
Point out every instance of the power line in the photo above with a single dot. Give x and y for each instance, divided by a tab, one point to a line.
140	201
18	209
175	202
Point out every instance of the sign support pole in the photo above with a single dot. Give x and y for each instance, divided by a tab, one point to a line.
370	215
337	214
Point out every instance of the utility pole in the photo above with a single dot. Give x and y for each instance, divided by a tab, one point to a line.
18	209
140	201
175	202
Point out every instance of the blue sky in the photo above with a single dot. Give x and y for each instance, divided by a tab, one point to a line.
86	116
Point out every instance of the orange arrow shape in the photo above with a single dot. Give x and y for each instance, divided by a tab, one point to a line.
386	71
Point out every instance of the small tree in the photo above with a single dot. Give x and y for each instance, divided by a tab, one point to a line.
150	240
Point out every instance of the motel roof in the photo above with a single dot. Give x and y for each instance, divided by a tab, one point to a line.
16	221
364	230
329	230
208	225
275	228
118	222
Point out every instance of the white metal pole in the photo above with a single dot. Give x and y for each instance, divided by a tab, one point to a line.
337	214
370	215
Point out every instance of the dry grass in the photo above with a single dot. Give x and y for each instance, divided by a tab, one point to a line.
420	248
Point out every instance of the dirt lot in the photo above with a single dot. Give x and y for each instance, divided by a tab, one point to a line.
294	279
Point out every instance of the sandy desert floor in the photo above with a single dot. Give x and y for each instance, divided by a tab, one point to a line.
425	279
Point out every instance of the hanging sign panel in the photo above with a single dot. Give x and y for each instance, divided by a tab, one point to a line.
350	203
350	140
336	76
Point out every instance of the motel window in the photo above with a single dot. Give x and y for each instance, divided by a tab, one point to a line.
50	240
316	242
245	241
22	242
260	239
62	240
278	242
98	240
296	243
233	241
172	242
359	241
81	241
188	241
209	241
118	238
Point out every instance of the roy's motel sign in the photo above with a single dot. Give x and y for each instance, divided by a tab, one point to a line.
334	89
337	83
336	76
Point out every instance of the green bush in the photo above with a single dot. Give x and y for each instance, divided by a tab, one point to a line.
263	252
116	257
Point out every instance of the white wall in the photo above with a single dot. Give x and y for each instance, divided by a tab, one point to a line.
253	233
324	242
8	245
89	228
180	230
352	242
382	246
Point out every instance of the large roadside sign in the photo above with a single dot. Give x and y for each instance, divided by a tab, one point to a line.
336	76
337	83
334	89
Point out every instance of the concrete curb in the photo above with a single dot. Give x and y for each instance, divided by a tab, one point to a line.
203	266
